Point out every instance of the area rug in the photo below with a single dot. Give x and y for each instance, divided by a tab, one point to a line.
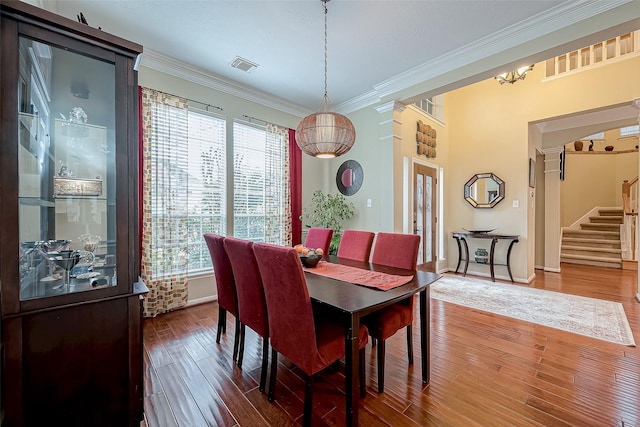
605	320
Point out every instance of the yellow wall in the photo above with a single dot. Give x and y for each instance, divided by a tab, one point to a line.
485	130
594	180
488	129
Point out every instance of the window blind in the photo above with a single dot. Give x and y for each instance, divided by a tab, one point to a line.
169	178
206	190
261	193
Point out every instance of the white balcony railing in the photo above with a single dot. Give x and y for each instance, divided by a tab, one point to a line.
605	52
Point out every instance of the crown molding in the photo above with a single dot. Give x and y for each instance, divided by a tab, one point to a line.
558	18
391	105
171	66
555	19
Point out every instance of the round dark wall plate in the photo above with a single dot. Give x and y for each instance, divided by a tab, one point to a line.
349	177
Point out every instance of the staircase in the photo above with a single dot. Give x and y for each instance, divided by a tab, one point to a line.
597	242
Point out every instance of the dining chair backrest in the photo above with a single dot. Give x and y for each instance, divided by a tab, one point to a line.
291	325
319	238
396	250
356	245
227	297
252	305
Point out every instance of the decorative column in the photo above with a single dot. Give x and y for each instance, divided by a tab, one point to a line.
390	137
636	103
552	209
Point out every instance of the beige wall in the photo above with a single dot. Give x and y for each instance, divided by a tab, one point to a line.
373	149
485	130
202	288
488	129
594	179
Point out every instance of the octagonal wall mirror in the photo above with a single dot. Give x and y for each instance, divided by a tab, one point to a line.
484	190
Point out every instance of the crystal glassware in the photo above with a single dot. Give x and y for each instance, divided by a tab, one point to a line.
67	259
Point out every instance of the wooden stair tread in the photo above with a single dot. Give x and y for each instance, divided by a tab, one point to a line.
592	249
612	218
596	242
592	258
578	230
589	240
592	233
605	212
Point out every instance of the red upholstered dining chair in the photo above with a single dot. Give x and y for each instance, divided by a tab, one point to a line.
310	343
252	306
319	238
226	286
400	251
355	245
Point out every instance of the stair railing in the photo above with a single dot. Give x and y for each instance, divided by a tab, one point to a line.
628	228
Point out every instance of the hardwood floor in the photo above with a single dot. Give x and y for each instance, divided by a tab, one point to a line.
486	370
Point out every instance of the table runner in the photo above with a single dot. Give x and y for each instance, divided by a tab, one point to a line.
358	276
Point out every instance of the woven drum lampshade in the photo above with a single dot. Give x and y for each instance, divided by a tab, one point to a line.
325	135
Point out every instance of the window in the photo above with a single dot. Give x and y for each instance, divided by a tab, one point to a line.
206	189
630	130
429	106
261	183
187	187
599	135
433	106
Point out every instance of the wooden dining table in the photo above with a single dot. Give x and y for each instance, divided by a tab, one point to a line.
352	302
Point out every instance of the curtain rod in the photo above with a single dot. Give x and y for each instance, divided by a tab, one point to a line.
255	118
206	104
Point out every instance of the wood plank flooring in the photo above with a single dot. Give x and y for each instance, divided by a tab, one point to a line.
487	370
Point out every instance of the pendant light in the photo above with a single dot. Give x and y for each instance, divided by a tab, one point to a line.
325	135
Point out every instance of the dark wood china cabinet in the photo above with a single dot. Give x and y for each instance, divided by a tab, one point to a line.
70	296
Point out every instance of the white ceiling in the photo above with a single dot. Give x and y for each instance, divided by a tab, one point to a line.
377	50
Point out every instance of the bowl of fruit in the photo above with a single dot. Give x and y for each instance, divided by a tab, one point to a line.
309	257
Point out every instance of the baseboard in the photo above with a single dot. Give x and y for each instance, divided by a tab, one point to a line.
202	300
552	270
629	264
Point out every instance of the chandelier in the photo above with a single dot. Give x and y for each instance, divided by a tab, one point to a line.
514	76
325	135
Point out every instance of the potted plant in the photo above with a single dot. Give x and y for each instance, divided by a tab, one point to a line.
328	211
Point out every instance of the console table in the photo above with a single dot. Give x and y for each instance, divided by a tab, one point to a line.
461	239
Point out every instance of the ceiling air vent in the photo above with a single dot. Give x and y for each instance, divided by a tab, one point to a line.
243	64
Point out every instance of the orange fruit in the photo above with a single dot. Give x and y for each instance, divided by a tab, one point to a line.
305	251
319	251
298	248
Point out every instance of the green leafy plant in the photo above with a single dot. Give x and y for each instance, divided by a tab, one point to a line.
328	211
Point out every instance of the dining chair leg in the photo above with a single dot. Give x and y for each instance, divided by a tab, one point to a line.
222	316
381	366
272	375
308	401
410	344
363	385
241	349
236	339
265	361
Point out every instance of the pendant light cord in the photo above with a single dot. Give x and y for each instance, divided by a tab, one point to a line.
326	97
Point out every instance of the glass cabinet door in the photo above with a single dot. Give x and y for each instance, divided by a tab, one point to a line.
66	171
